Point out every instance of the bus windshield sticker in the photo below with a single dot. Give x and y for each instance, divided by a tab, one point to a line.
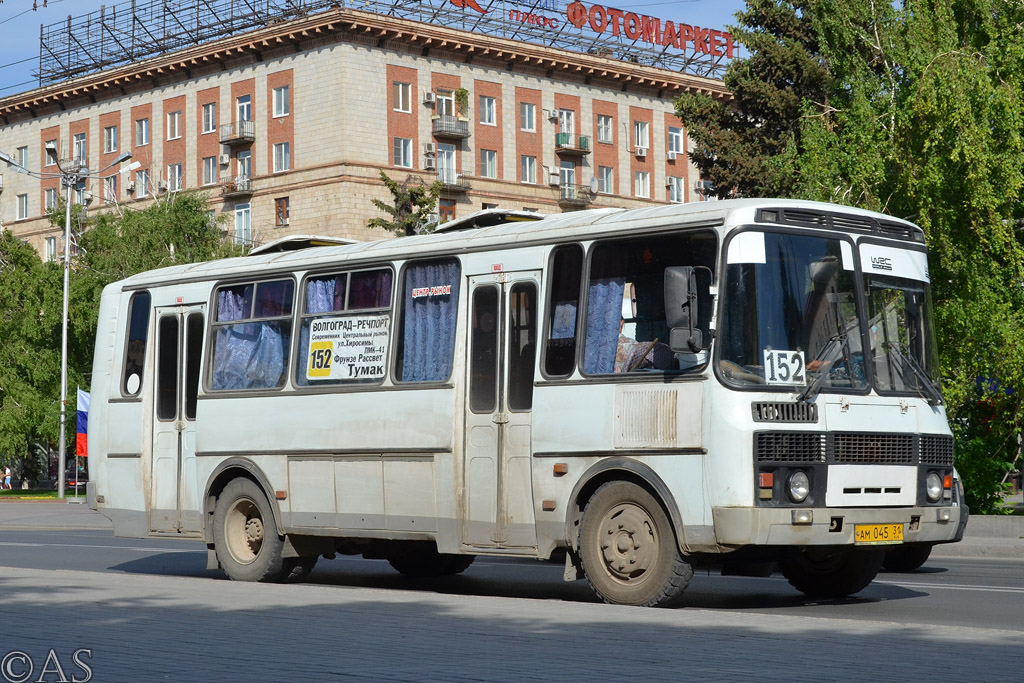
747	247
784	367
353	347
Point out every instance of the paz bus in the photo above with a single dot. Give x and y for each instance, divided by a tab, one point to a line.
747	383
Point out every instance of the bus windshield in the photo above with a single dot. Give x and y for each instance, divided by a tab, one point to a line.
789	315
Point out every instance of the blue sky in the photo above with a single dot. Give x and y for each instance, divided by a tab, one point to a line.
19	26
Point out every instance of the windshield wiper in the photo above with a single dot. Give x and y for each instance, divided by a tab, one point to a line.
812	389
926	388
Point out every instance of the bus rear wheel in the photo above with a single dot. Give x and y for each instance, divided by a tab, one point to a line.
246	538
628	548
832	573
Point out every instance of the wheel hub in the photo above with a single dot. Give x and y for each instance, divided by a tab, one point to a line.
630	545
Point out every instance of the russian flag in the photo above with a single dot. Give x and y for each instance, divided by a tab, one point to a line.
81	442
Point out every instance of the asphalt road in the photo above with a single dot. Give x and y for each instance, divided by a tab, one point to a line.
149	610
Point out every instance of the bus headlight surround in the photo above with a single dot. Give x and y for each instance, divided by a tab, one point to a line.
798	486
933	487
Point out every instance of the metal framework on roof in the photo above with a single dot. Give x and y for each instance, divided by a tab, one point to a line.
134	30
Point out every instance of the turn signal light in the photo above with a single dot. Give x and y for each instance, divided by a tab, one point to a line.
767	479
947	481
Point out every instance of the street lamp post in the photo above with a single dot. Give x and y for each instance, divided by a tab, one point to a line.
69	178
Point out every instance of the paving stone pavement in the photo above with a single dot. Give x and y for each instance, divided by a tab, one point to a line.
150	628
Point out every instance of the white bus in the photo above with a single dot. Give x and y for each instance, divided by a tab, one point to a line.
747	382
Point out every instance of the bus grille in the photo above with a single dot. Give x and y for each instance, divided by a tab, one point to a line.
769	411
790	446
885	449
937	449
854	448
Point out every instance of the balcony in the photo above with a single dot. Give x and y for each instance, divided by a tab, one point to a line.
450	127
569	145
574	196
453	182
239	133
241	186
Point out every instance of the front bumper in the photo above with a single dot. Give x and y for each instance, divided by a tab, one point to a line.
742	527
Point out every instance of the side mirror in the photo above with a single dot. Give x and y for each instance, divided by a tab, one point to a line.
681	309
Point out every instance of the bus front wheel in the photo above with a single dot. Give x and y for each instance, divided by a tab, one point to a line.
628	548
832	573
246	537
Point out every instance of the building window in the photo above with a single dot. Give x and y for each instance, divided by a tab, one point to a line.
488	205
567	173
22	206
142	182
109	139
79	196
642	184
174	125
527	116
675	190
110	189
243	225
210	171
51	249
446	210
445	103
488	163
50	199
50	161
281	105
243	108
567	121
641	137
281	212
174	177
403	152
675	139
605	129
209	117
81	147
528	169
282	157
141	132
23	157
244	164
604	180
402	95
487	109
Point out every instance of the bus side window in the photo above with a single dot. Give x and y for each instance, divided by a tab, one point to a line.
251	335
563	305
426	338
135	349
522	330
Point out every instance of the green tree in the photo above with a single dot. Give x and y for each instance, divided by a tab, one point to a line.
915	110
412	203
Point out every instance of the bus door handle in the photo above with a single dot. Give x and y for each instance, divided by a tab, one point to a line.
500	418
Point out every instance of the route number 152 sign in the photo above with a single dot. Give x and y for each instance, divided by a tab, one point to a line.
784	367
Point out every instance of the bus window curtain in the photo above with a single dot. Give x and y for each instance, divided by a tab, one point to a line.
321	297
246	355
429	326
604	316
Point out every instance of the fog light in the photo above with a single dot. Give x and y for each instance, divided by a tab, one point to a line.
933	487
803	516
799	486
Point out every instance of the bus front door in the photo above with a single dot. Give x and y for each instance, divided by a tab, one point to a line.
174	506
498	493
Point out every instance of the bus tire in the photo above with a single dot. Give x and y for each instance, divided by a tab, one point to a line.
245	535
832	573
907	558
421	560
628	548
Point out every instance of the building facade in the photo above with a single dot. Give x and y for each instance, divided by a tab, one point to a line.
287	128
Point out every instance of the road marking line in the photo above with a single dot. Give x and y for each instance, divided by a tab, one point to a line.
952	586
105	547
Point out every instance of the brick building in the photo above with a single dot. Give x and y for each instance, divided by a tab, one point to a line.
287	125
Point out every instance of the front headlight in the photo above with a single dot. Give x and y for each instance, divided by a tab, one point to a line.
798	486
933	487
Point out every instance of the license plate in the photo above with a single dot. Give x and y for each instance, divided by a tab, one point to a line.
877	534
